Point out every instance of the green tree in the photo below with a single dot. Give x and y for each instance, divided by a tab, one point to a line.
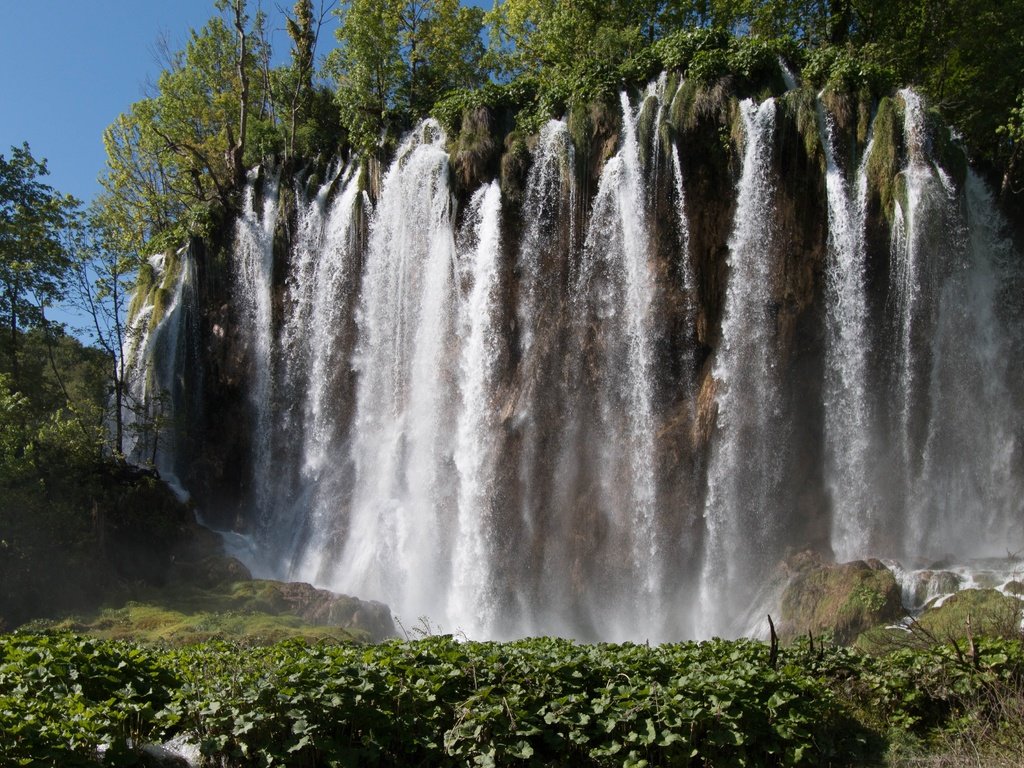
311	128
397	57
445	52
34	263
554	38
107	261
177	155
367	67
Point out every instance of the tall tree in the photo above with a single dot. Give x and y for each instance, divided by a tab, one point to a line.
296	82
106	263
34	264
181	152
397	57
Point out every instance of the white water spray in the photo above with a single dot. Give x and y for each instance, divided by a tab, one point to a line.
744	459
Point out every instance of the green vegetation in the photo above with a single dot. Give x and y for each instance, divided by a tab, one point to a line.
33	260
436	701
844	600
176	159
158	623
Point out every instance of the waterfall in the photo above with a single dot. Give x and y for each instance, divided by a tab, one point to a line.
689	283
850	440
160	373
333	282
296	353
254	266
924	228
615	289
744	461
550	203
487	406
970	496
313	344
395	546
472	594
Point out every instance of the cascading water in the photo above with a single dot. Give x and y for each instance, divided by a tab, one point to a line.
313	349
158	351
744	467
395	545
689	285
851	445
470	404
923	226
472	594
969	498
550	202
615	292
254	265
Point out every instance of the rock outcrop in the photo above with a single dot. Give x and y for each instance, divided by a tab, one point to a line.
843	599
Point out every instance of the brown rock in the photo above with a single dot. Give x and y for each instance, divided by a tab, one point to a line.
845	598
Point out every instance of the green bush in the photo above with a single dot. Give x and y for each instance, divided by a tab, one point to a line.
537	702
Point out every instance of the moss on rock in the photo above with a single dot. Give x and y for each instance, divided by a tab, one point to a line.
843	599
884	163
972	613
476	150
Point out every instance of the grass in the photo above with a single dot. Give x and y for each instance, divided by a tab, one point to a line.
244	612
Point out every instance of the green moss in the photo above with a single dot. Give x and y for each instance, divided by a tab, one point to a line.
474	149
162	295
645	123
144	281
864	112
681	109
515	165
249	611
147	623
803	104
580	128
985	612
733	134
844	599
884	163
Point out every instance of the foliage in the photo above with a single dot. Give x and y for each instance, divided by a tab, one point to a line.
151	622
64	699
63	504
397	58
34	262
170	157
543	701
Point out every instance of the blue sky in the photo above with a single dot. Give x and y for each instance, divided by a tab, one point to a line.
69	67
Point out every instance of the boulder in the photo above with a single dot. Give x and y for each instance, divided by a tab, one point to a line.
319	607
842	598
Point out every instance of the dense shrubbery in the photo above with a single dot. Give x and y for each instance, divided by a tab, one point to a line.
441	702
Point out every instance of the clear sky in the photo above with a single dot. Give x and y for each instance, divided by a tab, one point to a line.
69	67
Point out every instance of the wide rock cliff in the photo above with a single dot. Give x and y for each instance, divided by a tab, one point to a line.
600	379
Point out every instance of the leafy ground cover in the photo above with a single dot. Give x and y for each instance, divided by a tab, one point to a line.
65	700
159	623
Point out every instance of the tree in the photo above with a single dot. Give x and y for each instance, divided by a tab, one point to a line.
558	38
397	57
296	81
448	54
104	276
34	263
367	67
179	154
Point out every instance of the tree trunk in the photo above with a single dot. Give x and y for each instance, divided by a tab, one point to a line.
238	150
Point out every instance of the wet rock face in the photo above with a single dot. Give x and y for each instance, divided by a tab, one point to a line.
615	377
845	599
317	606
